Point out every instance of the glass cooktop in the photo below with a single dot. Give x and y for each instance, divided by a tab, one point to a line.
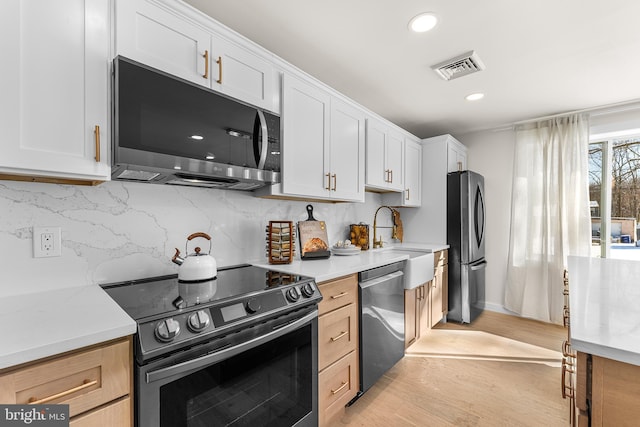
164	294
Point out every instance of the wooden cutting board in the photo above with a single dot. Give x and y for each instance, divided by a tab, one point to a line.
314	243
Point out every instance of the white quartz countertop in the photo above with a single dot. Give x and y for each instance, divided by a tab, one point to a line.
342	265
44	324
605	307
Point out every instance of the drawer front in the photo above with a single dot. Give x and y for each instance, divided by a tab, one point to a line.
116	414
337	334
338	293
83	380
338	384
440	258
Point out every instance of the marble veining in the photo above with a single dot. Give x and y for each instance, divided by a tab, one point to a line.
121	231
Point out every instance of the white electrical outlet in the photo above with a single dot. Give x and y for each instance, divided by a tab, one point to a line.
46	242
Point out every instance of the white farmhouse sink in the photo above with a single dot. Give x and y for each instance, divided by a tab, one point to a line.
418	269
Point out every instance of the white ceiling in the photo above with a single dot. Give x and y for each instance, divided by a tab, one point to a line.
542	57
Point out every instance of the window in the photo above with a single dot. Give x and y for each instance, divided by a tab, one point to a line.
614	190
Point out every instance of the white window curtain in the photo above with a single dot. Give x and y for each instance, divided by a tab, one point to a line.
550	216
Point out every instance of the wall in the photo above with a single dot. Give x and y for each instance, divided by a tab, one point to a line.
121	231
490	153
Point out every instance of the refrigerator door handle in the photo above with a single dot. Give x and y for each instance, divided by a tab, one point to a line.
478	266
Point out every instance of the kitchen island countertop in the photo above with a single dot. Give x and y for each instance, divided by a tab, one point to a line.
337	266
604	315
44	324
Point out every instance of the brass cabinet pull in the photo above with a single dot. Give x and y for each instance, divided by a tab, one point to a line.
206	64
340	295
328	187
343	385
96	131
219	62
85	384
342	334
567	390
335	182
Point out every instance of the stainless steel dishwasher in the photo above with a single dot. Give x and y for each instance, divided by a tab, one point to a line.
381	292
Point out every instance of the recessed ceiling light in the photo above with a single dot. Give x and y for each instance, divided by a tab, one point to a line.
197	137
474	96
423	22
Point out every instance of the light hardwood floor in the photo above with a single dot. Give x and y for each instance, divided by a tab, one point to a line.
472	389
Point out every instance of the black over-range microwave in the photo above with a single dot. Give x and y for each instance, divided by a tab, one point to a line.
170	131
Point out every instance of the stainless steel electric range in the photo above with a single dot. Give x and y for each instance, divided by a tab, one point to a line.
238	350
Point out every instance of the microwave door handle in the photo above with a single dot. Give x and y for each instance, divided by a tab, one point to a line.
265	139
209	359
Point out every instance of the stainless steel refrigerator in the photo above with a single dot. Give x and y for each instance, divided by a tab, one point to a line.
466	238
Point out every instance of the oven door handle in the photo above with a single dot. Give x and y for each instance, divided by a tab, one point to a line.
208	359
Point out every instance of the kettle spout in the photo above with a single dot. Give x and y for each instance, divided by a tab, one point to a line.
177	258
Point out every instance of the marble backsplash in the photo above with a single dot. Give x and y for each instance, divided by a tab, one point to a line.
120	231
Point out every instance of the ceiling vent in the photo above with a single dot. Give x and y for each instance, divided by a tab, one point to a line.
459	66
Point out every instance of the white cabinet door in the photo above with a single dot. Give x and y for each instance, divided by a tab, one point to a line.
376	174
395	161
346	159
241	74
305	118
162	38
384	157
54	83
155	36
412	174
456	156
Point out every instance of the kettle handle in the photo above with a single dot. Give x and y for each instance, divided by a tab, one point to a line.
193	236
199	234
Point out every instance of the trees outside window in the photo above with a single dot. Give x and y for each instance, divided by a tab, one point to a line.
615	207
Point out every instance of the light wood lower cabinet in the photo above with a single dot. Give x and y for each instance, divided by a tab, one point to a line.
610	389
427	304
95	382
338	378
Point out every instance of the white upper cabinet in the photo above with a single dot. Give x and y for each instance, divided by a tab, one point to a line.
384	157
456	155
412	194
322	144
54	80
161	37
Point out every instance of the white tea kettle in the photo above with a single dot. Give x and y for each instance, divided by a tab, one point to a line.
197	266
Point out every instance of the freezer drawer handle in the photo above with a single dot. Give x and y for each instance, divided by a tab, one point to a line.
479	266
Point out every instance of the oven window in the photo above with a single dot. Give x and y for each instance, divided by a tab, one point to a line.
269	385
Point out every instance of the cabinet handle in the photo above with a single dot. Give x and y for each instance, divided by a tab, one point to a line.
219	62
206	64
343	385
408	197
85	384
567	390
342	334
335	182
386	175
391	172
340	295
96	131
328	187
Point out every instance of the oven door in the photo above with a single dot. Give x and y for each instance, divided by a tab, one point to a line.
267	379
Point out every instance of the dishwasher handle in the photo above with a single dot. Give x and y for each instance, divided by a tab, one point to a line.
368	283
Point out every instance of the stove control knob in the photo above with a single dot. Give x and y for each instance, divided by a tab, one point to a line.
307	290
292	295
167	330
198	321
253	305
